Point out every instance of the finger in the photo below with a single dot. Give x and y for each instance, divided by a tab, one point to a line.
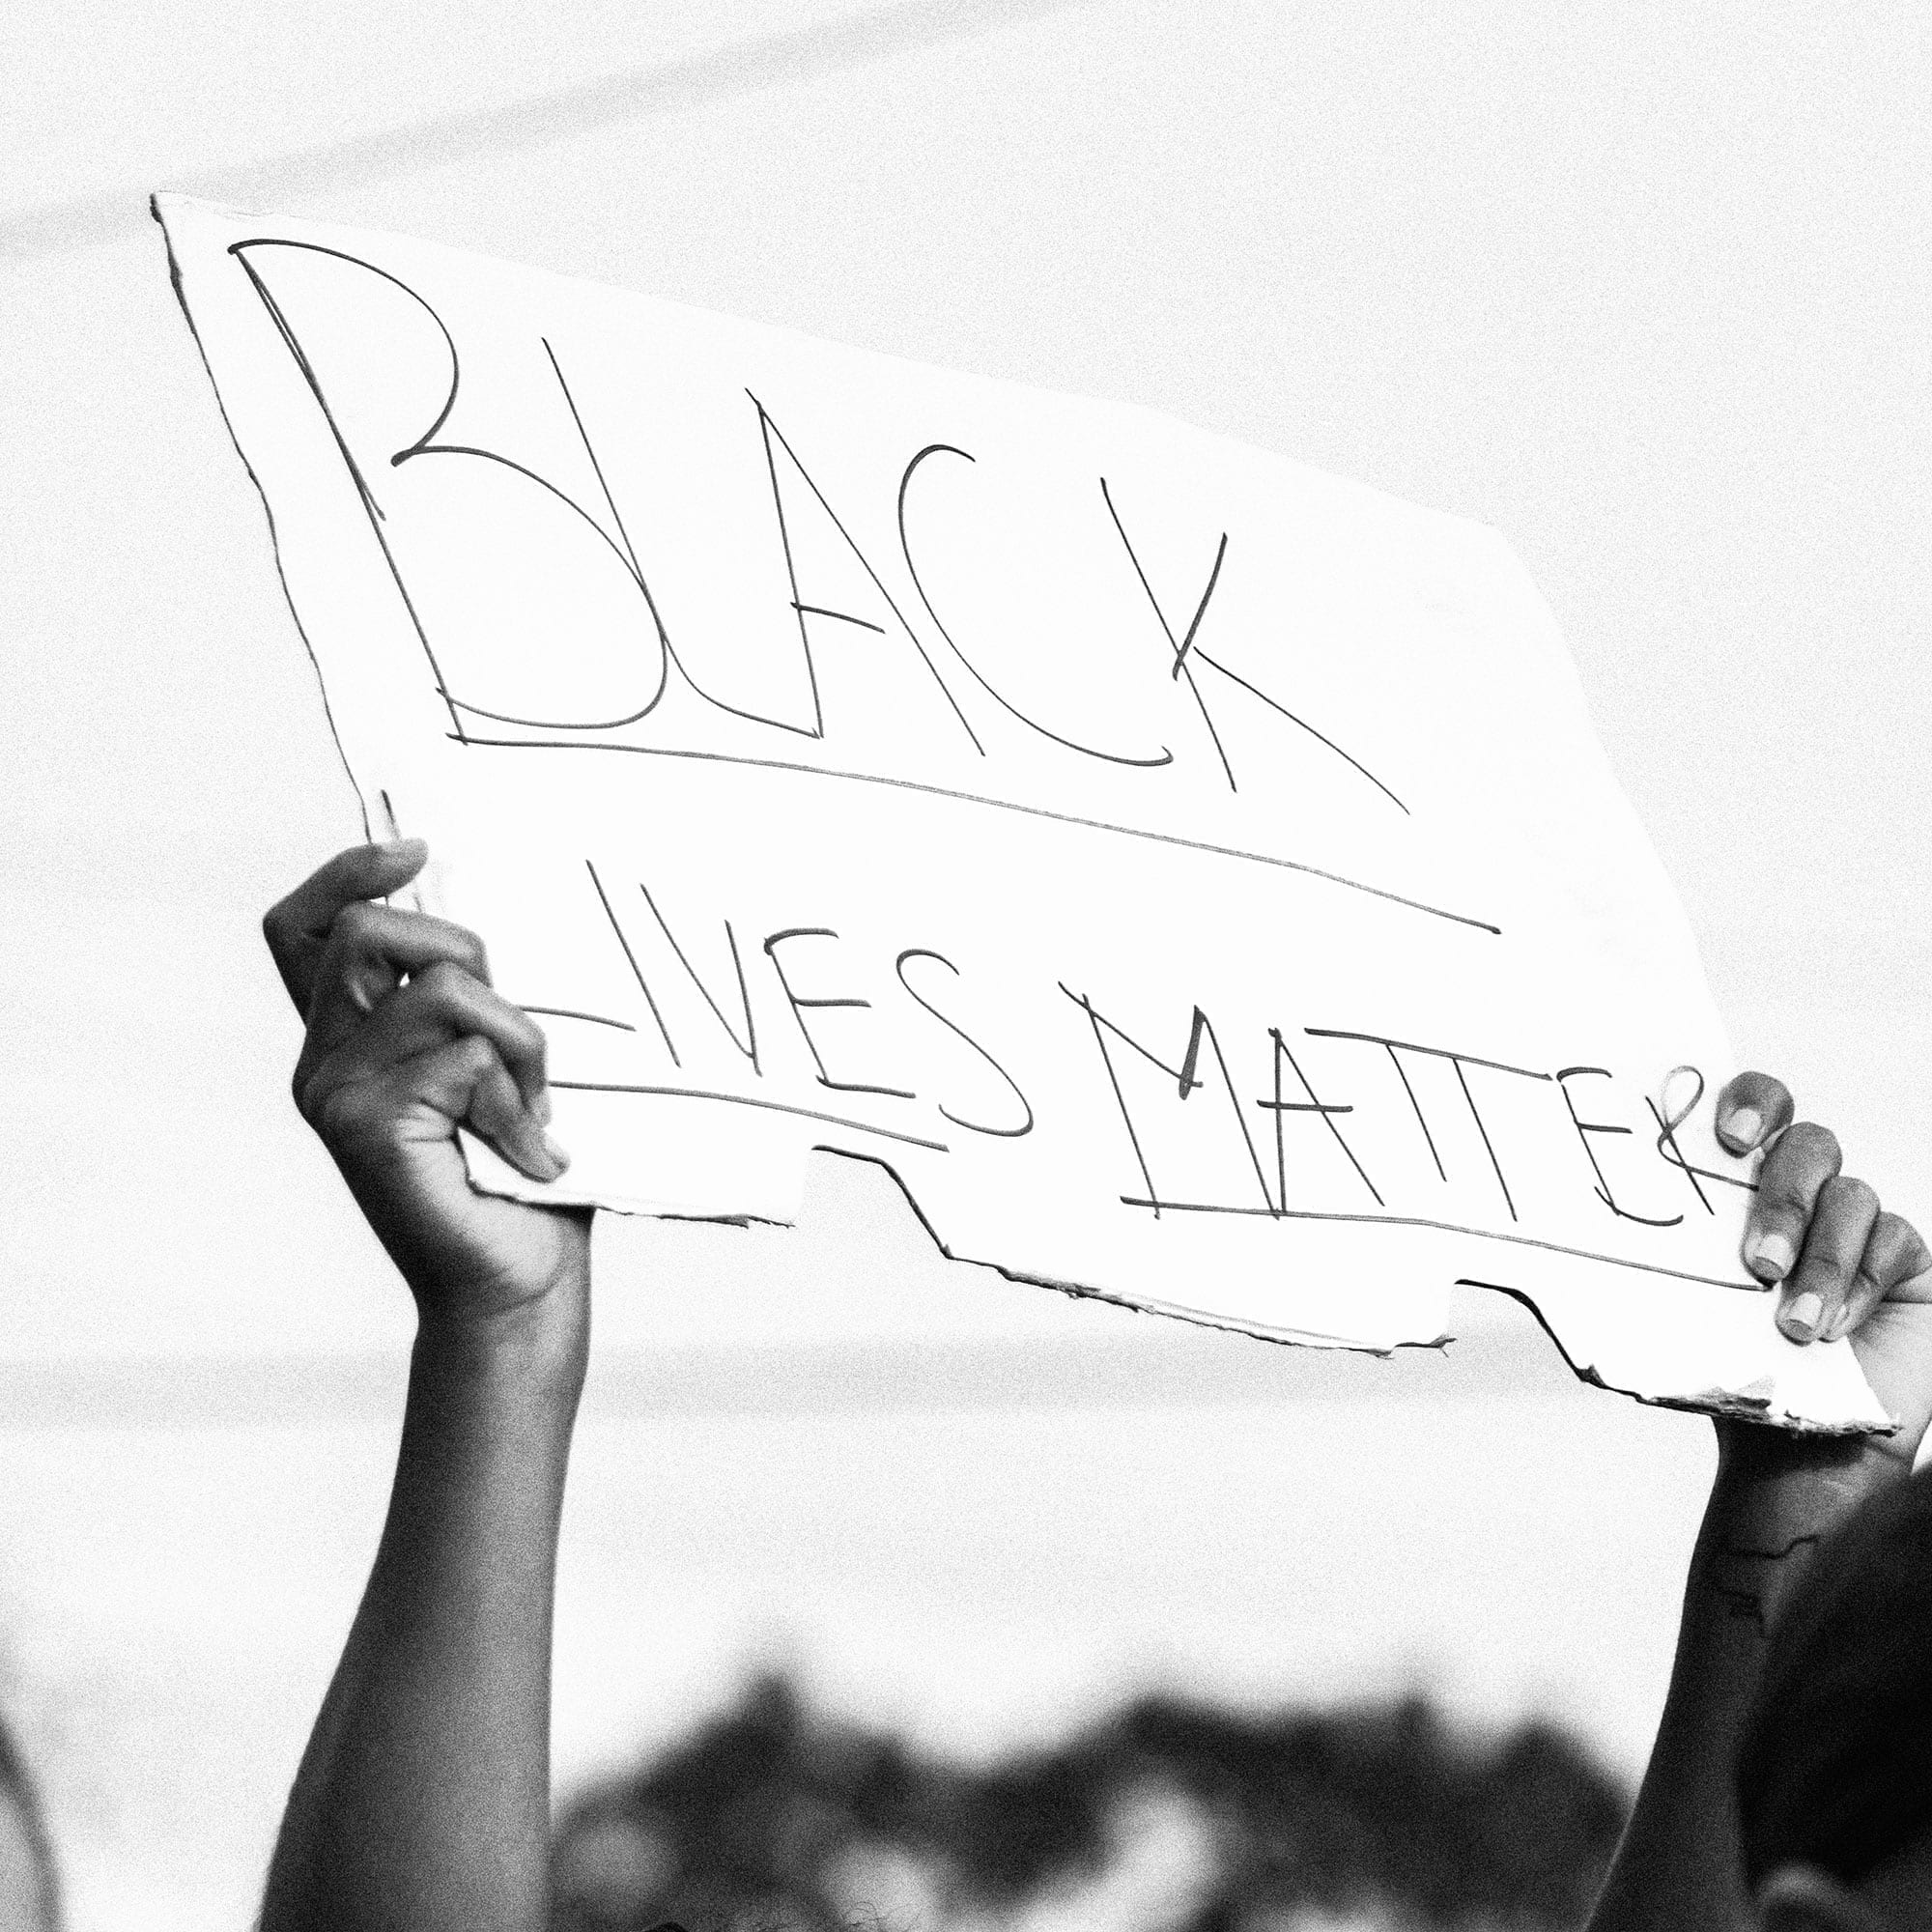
1788	1184
370	950
1896	1266
463	1082
496	1111
1834	1245
1752	1109
298	926
440	1003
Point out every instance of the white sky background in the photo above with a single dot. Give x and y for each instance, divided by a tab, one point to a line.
1646	286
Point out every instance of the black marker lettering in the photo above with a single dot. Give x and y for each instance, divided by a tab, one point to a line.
801	1004
1152	1198
953	1026
649	682
672	660
771	434
1184	647
1673	1154
1584	1129
1401	1074
1489	1146
1459	1060
573	1013
1180	648
1302	723
749	1045
1163	758
747	1100
631	959
1157	1207
686	752
1186	1081
1314	1104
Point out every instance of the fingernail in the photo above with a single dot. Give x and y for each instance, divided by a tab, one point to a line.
1804	1315
557	1154
1744	1126
1770	1256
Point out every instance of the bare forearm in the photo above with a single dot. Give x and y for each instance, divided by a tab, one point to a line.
1678	1866
423	1799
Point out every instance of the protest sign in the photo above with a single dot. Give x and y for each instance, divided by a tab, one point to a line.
1193	875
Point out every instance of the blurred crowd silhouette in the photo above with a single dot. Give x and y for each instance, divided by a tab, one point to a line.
777	1813
29	1884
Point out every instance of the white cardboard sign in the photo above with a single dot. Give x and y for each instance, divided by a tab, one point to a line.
1193	875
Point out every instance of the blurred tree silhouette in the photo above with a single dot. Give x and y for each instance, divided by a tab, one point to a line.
758	1822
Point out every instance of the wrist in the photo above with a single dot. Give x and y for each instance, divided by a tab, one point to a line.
1775	1499
1824	1477
534	1348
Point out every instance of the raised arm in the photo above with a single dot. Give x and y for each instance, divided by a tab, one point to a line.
423	1799
1843	1267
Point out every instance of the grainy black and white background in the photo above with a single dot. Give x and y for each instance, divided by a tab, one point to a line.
1644	285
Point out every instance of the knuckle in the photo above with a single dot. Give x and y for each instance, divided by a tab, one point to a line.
494	1106
441	979
322	1102
457	943
1804	1159
1852	1197
355	924
1891	1233
1895	1246
475	1056
1816	1146
1823	1269
496	1097
350	1113
314	1087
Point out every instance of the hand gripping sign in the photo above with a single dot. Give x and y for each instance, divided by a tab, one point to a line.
1194	876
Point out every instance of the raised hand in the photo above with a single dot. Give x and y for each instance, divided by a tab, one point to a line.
423	1799
407	1040
1844	1266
